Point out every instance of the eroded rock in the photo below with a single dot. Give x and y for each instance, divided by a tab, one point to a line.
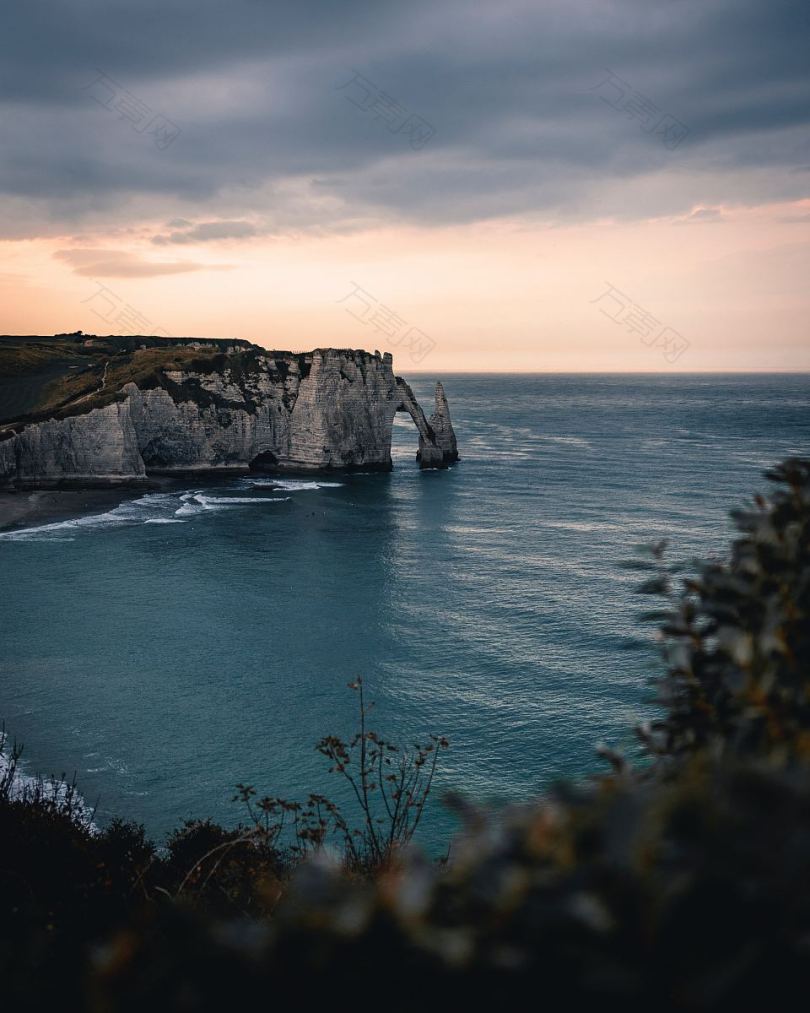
322	410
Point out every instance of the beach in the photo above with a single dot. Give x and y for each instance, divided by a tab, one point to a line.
29	508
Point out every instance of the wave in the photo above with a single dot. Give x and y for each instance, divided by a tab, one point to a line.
153	508
168	508
237	500
194	503
289	484
132	512
22	786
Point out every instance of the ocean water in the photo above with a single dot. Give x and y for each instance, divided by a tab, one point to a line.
189	640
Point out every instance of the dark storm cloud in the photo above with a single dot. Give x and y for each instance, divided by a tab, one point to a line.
268	122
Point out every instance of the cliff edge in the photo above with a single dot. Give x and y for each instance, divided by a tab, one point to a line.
117	409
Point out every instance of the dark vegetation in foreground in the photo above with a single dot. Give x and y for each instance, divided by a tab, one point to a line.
681	884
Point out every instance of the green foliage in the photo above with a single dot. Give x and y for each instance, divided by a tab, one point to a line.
737	638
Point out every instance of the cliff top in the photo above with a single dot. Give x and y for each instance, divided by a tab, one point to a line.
44	376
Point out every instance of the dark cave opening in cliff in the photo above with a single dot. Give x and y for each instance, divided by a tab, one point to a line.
266	461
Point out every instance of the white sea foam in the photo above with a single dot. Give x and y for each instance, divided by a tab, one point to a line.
200	502
569	441
289	484
153	508
63	531
234	500
166	508
24	785
137	511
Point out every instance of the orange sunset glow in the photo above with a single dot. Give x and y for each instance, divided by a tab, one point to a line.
516	296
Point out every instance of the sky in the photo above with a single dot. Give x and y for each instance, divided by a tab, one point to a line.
571	185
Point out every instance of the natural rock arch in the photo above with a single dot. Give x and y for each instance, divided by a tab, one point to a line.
437	441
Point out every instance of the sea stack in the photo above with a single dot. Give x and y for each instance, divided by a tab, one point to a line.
442	426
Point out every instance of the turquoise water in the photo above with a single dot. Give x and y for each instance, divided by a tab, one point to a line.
190	640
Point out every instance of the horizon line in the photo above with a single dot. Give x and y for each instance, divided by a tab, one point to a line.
615	372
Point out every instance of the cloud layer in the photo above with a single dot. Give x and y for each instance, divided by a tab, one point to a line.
104	263
266	117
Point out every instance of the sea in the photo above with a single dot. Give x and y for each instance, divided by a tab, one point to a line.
192	639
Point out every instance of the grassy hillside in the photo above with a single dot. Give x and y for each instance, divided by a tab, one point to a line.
43	377
28	367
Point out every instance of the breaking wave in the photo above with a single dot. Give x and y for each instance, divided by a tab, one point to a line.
289	484
154	508
199	502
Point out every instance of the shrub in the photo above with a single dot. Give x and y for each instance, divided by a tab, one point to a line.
737	638
389	784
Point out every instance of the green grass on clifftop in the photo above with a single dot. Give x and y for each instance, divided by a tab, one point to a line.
54	377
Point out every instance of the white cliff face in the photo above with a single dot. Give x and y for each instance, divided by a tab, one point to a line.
98	446
185	436
344	413
327	409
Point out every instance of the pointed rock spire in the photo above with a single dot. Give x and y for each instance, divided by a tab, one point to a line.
443	428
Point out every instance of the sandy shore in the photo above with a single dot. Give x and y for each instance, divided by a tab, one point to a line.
28	509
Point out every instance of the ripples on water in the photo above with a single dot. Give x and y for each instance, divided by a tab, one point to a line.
188	640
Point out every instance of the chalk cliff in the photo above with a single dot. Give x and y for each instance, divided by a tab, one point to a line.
240	408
